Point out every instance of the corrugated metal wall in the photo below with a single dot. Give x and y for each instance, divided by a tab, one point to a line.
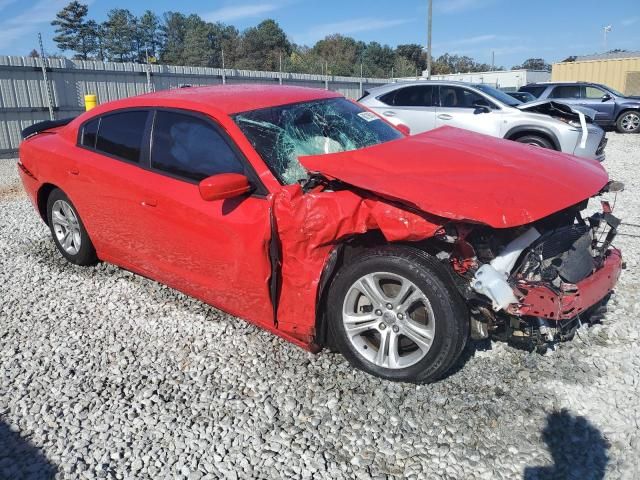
23	94
611	72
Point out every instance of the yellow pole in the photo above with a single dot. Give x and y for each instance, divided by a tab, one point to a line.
90	101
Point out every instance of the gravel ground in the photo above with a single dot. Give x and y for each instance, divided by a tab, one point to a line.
106	374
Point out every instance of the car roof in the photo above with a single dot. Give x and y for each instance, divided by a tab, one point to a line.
409	83
229	99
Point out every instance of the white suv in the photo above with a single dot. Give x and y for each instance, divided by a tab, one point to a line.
424	105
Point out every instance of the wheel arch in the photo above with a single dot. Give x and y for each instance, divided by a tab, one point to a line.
342	254
42	197
517	132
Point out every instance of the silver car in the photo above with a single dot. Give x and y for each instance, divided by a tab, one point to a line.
424	105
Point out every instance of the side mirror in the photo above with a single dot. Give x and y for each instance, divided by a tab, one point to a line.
479	108
404	128
224	185
606	97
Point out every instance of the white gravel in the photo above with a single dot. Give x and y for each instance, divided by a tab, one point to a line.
106	374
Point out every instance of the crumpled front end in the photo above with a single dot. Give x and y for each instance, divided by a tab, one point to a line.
537	283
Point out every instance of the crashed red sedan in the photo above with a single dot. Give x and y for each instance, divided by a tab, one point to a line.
310	216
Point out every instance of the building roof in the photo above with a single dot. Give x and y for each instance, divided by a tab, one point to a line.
240	98
608	56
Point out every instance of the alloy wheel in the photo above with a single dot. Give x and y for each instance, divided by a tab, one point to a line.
66	227
630	122
388	320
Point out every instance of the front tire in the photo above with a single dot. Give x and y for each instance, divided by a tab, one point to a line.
536	141
67	230
394	314
628	122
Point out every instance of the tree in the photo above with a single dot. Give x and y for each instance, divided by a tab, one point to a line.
378	60
261	46
34	53
172	37
533	64
414	53
198	48
74	32
120	35
148	35
341	54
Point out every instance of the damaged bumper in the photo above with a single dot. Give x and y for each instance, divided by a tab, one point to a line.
572	299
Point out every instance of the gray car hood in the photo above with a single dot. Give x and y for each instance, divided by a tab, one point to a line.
557	109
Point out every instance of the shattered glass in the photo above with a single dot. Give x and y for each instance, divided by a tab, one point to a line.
282	134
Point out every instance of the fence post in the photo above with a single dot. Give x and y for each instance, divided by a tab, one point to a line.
326	75
46	79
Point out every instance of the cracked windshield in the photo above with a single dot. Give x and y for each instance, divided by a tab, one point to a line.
282	134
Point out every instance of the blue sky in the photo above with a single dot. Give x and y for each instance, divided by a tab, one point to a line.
514	29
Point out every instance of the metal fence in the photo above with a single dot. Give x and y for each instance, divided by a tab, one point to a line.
24	98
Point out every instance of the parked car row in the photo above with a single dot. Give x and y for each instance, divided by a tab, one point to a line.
316	219
425	105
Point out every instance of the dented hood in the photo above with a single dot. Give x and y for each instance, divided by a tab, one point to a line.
462	175
554	108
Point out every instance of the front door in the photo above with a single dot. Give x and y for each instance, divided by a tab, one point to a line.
601	101
459	107
214	250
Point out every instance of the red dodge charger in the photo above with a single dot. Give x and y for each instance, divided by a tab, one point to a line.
310	216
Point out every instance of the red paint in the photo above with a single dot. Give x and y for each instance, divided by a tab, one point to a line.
541	301
463	175
218	251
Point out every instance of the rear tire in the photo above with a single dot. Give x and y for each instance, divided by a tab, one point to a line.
410	326
536	141
67	230
628	122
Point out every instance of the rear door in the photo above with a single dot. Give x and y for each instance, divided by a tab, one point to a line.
413	106
458	107
108	174
215	250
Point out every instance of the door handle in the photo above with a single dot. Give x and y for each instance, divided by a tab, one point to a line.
74	171
445	116
148	203
389	114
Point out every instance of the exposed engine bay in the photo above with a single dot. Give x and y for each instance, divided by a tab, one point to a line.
536	284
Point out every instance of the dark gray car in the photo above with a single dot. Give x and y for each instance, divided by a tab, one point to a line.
614	109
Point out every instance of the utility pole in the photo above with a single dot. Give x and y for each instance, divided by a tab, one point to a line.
224	72
493	61
429	21
280	72
606	30
47	87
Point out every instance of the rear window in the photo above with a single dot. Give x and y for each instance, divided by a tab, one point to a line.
89	133
121	134
414	96
565	91
534	90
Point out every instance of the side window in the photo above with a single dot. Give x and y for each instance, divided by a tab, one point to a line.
536	91
566	91
593	93
121	134
90	133
190	147
414	96
458	97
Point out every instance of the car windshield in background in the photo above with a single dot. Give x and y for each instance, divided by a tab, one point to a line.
282	134
614	91
499	95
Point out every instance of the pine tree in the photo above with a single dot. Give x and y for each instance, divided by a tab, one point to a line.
120	35
148	34
74	33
